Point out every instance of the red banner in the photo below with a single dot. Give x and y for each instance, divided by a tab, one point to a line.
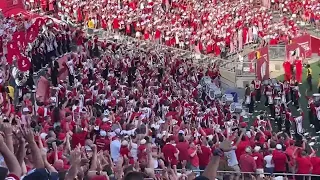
262	70
315	45
261	56
295	51
305	42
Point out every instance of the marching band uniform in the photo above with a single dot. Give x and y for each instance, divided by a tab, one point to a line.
298	120
317	121
54	73
288	119
248	97
285	92
270	97
70	66
311	110
257	87
277	114
292	85
296	95
266	89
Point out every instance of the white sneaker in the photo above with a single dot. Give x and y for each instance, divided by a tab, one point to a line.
318	132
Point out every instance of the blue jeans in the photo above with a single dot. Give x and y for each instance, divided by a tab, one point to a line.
269	170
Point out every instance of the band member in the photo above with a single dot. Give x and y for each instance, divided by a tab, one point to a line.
309	76
54	65
247	94
298	120
277	113
292	85
70	66
252	101
288	120
257	87
285	92
267	89
296	95
311	108
319	84
317	120
260	120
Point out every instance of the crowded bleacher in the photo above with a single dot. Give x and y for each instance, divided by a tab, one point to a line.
78	106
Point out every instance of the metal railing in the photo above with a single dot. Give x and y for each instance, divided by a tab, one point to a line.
245	175
277	52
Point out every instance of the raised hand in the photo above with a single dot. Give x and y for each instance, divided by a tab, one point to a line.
7	129
28	135
75	156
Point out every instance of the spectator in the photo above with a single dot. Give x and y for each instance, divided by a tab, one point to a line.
268	161
280	160
303	165
247	162
193	153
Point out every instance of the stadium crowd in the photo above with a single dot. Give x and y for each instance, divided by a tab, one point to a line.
123	112
209	27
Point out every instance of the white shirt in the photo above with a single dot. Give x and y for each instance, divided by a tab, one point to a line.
254	30
268	159
115	150
134	151
232	158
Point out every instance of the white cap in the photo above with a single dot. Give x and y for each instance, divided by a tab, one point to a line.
143	141
279	146
181	132
25	109
105	119
103	133
257	149
43	135
124	143
248	149
96	128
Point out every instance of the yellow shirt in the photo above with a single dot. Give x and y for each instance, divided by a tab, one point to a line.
90	24
309	72
11	92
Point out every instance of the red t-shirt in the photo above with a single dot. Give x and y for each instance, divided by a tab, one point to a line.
279	160
247	163
241	148
79	138
204	157
315	161
103	143
168	151
183	151
259	160
304	165
195	159
142	152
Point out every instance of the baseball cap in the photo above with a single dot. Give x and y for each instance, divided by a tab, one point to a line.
41	174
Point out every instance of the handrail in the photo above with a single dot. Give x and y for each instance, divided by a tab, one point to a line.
233	172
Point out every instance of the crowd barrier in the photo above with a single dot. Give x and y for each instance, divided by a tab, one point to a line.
245	175
277	52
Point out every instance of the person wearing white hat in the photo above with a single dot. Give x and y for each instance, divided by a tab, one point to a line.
247	162
279	159
115	146
258	157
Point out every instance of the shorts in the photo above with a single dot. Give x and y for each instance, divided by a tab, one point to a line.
236	168
260	172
